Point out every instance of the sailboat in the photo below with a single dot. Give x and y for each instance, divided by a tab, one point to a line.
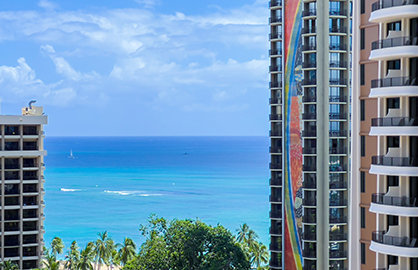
71	154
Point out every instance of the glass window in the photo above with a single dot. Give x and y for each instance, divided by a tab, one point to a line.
362	6
362	39
363	253
362	75
362	110
363	217
362	182
363	146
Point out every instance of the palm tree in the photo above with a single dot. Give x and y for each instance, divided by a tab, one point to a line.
51	262
242	233
9	265
72	257
86	258
126	251
57	246
104	245
247	237
260	256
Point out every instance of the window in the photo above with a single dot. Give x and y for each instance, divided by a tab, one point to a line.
362	110
393	141
362	75
363	146
394	64
362	6
362	182
362	39
363	253
363	217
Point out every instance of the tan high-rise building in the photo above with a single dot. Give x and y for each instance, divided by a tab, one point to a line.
384	186
21	166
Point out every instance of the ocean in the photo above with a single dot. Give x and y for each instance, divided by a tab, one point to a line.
115	183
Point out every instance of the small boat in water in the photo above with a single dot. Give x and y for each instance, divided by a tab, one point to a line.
71	154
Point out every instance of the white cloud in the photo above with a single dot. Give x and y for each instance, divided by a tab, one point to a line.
47	5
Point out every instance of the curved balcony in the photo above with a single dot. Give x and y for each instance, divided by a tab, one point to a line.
309	13
394	48
337	98
308	30
275	36
337	64
394	126
394	87
337	47
393	245
275	20
338	30
391	10
402	166
337	81
397	206
337	133
275	84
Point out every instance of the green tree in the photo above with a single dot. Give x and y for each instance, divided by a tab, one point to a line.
255	251
50	261
126	251
86	258
72	257
103	249
188	245
57	246
259	256
9	265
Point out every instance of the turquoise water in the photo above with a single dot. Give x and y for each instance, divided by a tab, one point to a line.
115	183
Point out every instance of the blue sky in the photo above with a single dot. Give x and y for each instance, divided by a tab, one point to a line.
138	67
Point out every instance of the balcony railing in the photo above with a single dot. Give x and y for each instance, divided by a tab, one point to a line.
275	100
337	254
275	150
392	3
309	150
337	167
275	133
395	122
337	184
275	117
309	167
337	116
275	36
275	20
275	3
277	68
338	133
309	65
340	219
275	230
338	98
309	98
395	42
308	116
309	236
309	81
380	237
309	12
337	12
394	82
275	198
338	29
309	219
309	47
395	161
338	150
337	236
309	202
275	52
403	201
275	214
276	182
337	64
275	84
309	253
337	202
275	166
308	30
337	81
337	47
309	184
309	133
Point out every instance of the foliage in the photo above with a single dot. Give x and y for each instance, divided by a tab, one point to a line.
72	257
86	257
255	251
9	265
57	246
104	246
126	251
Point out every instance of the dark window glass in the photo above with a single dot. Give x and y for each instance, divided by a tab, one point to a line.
362	39
363	6
363	253
393	141
362	75
363	146
362	182
394	64
363	217
394	26
362	110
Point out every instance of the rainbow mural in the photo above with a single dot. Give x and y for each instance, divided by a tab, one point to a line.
293	126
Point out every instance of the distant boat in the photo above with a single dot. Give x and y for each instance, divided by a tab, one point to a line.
71	154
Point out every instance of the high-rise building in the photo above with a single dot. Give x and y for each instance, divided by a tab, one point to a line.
384	191
22	165
310	133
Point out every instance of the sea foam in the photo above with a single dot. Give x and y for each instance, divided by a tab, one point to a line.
69	190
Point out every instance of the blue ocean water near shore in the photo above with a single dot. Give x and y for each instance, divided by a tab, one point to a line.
115	183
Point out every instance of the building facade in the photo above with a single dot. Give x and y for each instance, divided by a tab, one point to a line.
384	189
22	165
309	133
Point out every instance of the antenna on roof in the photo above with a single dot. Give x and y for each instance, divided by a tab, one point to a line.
30	103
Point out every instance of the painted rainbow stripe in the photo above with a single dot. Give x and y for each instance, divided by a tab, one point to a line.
293	146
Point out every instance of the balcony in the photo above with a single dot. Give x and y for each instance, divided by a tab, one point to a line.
275	3
337	98
309	184
309	47
337	64
308	30
337	47
338	185
309	82
337	133
309	202
275	101
275	133
309	151
309	219
275	117
276	182
338	150
384	243
337	116
337	236
275	150
308	98
310	236
337	168
309	254
392	205
276	68
391	10
337	219
275	198
337	254
337	81
394	48
308	116
275	84
276	230
309	65
309	13
276	214
337	12
308	133
309	167
275	166
394	87
274	36
402	166
275	20
30	146
338	30
11	146
337	202
394	126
